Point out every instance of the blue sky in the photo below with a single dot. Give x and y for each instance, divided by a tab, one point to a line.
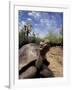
42	22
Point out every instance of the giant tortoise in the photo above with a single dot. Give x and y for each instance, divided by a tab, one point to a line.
31	62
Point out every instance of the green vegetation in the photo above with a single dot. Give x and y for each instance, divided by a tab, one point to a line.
56	39
24	38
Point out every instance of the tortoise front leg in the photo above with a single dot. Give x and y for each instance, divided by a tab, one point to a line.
46	72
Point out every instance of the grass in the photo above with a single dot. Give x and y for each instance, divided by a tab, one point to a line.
55	39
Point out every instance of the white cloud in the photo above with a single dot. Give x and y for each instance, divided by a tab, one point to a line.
41	20
30	13
23	22
40	32
49	25
53	24
44	21
29	19
36	15
36	24
57	31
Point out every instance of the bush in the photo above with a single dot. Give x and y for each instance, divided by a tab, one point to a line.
35	40
55	39
25	40
22	39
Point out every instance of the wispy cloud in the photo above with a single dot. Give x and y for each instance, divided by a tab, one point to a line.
35	15
29	19
42	22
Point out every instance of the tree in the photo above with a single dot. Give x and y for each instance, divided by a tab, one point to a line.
27	28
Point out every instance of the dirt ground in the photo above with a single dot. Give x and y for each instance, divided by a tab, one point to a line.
55	57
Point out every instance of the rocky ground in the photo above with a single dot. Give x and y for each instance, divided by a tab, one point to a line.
55	57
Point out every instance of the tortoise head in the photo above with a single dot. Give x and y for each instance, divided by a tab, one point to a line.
44	47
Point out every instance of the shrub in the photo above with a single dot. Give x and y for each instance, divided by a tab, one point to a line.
22	39
55	39
25	40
